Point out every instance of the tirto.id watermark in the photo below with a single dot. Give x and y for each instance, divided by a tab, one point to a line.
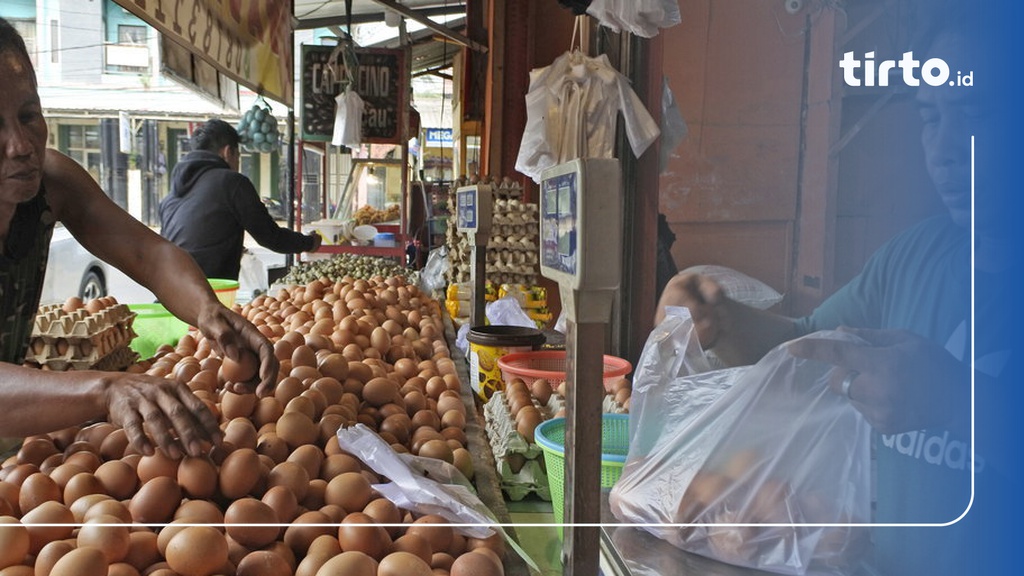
933	72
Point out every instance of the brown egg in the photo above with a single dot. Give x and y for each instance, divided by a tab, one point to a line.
197	551
263	563
156	501
349	563
36	489
81	562
14	542
283	502
306	528
310	457
527	422
437	449
349	490
80	485
199	512
44	524
403	564
357	533
111	539
237	405
46	558
413	544
142	549
110	507
476	564
239	473
240	517
297	429
158	464
380	391
242	370
292	476
434	529
197	477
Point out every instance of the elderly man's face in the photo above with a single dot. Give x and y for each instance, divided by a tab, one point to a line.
951	115
23	130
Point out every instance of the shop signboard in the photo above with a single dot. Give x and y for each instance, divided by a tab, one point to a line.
247	40
380	80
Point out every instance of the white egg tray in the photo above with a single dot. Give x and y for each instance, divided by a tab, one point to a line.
80	340
519	463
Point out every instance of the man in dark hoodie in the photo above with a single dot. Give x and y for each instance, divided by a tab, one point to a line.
212	205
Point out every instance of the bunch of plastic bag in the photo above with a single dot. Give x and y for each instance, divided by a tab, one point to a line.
748	463
640	17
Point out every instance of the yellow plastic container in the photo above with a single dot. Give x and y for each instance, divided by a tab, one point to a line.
226	290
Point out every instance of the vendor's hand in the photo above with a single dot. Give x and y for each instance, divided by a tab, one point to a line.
704	298
317	241
177	422
233	334
900	381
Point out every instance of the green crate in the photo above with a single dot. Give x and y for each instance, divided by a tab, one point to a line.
154	326
550	436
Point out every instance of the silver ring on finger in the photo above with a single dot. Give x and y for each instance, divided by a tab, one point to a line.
847	382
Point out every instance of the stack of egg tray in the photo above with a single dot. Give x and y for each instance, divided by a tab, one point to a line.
80	340
520	463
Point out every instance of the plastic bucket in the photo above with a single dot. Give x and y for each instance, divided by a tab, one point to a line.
550	436
154	326
489	343
225	289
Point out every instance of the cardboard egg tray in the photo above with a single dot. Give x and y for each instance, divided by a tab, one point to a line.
80	340
520	464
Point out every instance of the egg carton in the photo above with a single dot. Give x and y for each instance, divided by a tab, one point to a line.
519	463
78	340
52	321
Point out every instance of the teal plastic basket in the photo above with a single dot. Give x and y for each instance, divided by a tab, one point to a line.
550	436
154	326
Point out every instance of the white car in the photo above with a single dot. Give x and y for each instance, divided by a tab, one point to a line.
73	271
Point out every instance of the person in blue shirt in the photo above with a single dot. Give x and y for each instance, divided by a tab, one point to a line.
911	377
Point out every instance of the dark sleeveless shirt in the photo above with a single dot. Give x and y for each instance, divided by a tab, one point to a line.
22	266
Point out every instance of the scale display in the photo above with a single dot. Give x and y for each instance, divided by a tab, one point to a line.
559	213
467	213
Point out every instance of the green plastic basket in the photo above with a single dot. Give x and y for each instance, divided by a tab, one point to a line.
225	289
154	326
550	436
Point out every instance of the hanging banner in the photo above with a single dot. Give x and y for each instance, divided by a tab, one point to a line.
248	40
380	80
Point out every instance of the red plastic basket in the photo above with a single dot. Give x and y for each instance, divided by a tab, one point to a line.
550	365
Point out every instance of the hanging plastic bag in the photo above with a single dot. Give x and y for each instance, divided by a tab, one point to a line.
507	312
641	17
673	125
348	119
766	444
432	276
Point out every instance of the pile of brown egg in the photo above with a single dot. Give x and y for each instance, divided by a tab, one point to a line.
278	496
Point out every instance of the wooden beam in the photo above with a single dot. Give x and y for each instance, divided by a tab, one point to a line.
440	29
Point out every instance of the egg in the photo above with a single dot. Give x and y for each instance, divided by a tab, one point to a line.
359	533
349	490
156	501
238	473
14	542
301	533
349	563
434	529
197	551
240	518
48	556
197	477
263	563
36	489
242	370
476	564
85	561
403	564
142	549
47	522
111	538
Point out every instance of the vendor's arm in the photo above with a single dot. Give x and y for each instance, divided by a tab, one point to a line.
154	412
256	220
113	235
739	334
900	381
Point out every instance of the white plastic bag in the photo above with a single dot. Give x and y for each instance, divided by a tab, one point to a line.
766	444
432	276
348	119
507	312
640	17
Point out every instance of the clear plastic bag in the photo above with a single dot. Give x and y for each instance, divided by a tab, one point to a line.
729	451
432	276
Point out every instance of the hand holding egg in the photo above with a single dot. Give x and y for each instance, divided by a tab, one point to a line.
248	354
